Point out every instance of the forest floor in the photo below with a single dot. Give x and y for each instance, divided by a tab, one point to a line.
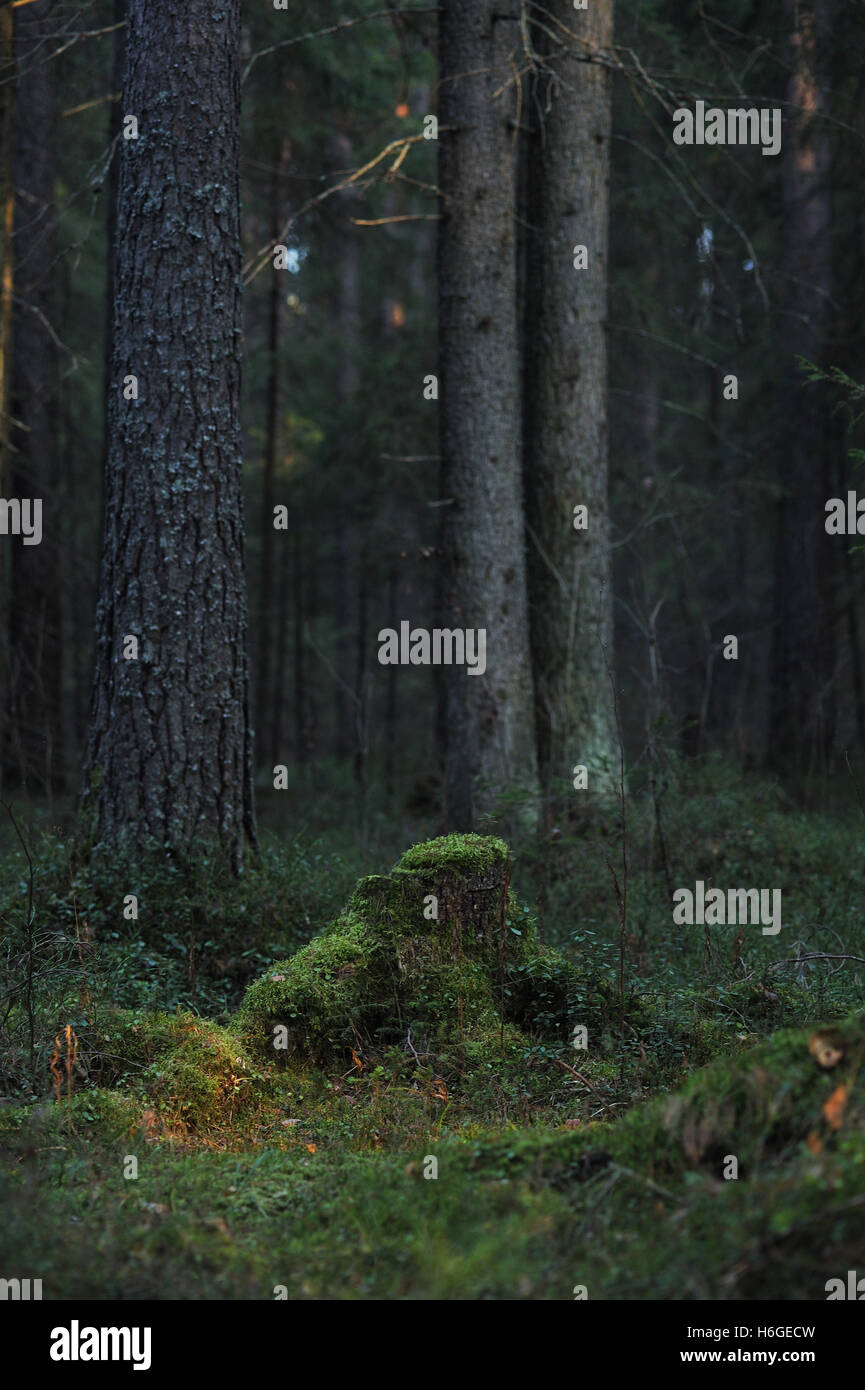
708	1143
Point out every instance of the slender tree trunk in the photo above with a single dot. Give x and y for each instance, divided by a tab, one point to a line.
7	225
349	548
34	691
362	685
307	558
391	705
265	693
277	720
490	717
300	722
566	407
855	648
804	561
169	756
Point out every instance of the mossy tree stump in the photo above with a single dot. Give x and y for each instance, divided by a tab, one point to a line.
418	955
453	893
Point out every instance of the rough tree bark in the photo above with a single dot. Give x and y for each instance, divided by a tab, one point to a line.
169	754
115	114
350	548
805	561
490	718
266	749
33	750
7	223
566	403
298	619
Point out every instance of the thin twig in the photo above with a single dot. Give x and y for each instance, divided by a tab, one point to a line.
579	1077
403	217
334	29
28	998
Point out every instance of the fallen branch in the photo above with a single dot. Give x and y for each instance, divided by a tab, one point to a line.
580	1077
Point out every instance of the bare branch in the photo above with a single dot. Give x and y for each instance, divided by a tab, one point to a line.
333	29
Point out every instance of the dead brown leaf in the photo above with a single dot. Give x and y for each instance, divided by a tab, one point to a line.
833	1110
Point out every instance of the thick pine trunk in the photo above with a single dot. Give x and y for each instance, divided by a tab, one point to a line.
490	718
801	713
169	755
566	406
33	753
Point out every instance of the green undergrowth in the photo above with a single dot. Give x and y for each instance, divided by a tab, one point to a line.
159	935
713	824
289	1142
634	1208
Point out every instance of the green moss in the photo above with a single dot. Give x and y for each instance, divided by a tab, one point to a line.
252	1174
419	951
95	1116
204	1081
754	1105
634	1208
119	1044
761	1106
454	854
328	996
191	1073
393	902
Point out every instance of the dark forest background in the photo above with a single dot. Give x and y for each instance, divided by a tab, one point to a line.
707	496
385	342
